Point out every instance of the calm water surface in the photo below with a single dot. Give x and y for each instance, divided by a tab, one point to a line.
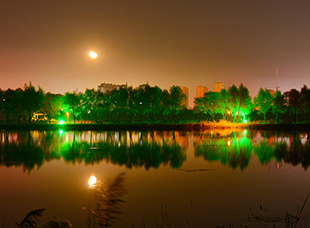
204	179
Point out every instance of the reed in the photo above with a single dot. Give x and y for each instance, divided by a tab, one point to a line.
31	219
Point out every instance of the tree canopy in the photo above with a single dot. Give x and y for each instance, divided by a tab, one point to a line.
263	102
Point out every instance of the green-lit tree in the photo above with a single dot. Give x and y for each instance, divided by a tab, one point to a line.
245	102
209	103
200	106
223	103
263	102
89	102
239	101
33	99
71	104
52	105
213	100
233	100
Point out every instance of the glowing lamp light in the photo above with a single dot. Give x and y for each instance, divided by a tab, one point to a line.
245	121
92	182
61	122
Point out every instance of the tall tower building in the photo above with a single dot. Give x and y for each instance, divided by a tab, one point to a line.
218	86
200	91
185	91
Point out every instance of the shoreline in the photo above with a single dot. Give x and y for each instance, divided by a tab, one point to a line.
156	127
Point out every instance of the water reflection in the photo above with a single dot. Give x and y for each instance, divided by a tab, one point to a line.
30	149
232	149
235	148
130	149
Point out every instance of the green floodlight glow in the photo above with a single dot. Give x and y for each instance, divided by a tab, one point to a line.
245	121
61	122
60	132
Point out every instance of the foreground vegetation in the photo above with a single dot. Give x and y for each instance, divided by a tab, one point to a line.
109	196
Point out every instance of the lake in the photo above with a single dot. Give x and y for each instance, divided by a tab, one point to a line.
185	179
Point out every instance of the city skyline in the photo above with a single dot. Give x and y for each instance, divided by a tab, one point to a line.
162	43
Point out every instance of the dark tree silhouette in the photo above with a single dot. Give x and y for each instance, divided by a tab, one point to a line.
305	101
119	99
33	99
154	97
295	102
174	101
279	105
18	104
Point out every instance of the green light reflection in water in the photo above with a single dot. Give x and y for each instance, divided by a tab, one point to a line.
236	149
231	150
30	149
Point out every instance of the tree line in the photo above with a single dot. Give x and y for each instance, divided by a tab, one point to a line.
151	104
268	105
20	103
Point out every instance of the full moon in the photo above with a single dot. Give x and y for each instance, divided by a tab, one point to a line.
93	55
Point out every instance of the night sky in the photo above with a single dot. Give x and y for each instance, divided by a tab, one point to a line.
162	42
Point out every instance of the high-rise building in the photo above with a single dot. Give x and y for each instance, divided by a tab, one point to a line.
200	91
185	91
218	86
104	87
